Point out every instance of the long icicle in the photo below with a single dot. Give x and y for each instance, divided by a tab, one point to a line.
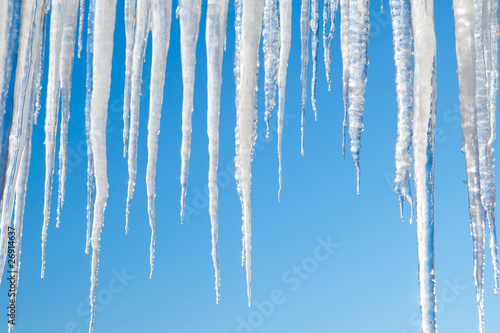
286	39
24	103
139	52
329	13
162	17
271	48
466	60
304	59
359	26
51	111
344	48
88	99
81	17
424	119
189	16
402	38
65	74
215	37
249	55
104	25
129	12
314	52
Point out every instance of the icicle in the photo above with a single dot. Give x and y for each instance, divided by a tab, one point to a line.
359	26
304	59
24	103
250	38
141	40
344	47
129	40
329	12
238	13
189	15
10	12
491	23
88	98
162	17
271	48
80	26
215	37
286	38
51	111
39	78
65	71
104	25
314	52
401	29
466	59
424	118
486	158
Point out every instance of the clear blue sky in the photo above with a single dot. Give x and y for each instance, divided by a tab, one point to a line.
367	284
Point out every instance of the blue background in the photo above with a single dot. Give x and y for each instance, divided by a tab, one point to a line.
368	284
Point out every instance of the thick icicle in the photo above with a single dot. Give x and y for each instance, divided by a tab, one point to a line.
88	98
344	48
24	103
402	38
129	48
286	38
104	25
162	17
359	27
271	48
51	111
215	37
329	13
249	57
314	52
424	119
65	74
466	59
304	59
141	40
189	16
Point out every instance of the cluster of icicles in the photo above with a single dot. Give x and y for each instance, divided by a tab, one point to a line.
22	40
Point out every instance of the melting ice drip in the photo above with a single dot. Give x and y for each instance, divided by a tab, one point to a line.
22	40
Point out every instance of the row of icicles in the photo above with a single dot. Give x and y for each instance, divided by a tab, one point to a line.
22	43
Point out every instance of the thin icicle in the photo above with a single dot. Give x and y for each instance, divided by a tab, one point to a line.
162	17
304	59
39	78
424	118
129	47
466	60
491	23
24	103
65	74
141	40
104	25
250	38
402	38
359	27
286	38
88	98
215	37
80	26
238	13
344	48
271	48
314	52
189	16
329	13
51	111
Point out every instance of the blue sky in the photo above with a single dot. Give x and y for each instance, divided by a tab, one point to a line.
365	282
